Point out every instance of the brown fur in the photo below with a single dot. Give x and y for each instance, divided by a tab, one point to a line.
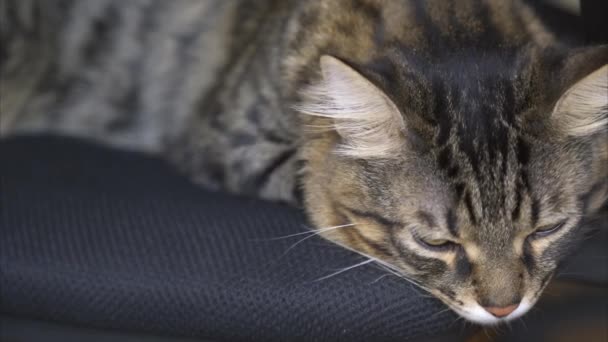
407	121
534	176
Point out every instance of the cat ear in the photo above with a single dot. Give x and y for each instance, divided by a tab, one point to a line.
583	109
368	122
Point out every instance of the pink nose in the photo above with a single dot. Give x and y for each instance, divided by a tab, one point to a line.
501	312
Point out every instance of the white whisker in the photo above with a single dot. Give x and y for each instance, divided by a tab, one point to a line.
395	271
312	231
439	313
315	233
392	269
458	318
523	322
387	266
417	289
346	269
380	278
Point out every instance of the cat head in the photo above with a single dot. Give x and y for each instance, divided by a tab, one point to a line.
469	176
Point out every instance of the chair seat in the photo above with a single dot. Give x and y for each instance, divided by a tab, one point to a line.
102	238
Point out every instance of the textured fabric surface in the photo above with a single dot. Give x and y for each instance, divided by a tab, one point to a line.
111	239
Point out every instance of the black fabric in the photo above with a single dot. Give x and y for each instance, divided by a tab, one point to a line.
14	329
111	239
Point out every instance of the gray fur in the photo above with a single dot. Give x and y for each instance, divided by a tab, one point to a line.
474	154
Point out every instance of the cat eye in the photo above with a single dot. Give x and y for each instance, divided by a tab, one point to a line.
548	229
435	244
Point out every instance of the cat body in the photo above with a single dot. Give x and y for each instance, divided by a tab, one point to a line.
193	80
458	143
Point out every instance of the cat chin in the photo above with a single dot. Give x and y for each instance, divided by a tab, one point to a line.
476	314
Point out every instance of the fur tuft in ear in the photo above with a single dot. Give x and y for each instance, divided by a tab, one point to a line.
583	109
368	122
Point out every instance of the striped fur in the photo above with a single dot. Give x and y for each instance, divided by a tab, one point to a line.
463	121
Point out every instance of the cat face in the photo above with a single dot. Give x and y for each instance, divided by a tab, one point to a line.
477	197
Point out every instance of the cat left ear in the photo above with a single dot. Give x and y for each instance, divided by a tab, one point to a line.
368	122
583	109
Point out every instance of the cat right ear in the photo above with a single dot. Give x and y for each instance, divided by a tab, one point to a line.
368	122
582	110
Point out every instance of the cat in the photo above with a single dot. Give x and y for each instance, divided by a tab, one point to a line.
460	144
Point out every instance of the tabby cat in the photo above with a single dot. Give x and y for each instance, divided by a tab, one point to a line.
458	143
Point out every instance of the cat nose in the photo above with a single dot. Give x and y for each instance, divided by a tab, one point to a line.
501	311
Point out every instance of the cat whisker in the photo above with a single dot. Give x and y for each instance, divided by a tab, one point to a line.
422	294
459	318
313	234
346	269
312	231
439	313
523	322
486	331
394	271
386	266
380	278
463	325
